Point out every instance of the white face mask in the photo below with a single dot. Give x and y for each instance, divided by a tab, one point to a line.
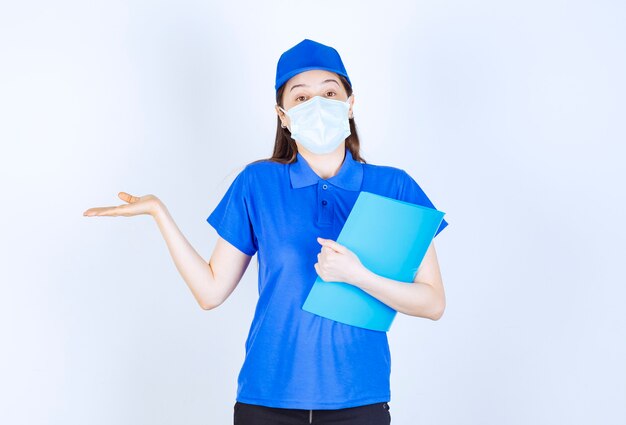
320	124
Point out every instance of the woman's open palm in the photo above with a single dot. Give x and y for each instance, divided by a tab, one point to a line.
136	205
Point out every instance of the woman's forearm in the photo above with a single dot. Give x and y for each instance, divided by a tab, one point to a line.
415	299
194	270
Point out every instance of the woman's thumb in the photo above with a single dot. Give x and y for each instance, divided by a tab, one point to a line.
127	197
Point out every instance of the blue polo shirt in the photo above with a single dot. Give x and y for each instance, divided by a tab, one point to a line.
296	359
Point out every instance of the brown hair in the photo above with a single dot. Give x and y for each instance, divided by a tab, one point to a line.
285	148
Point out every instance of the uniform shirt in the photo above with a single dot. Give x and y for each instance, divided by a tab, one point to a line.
296	359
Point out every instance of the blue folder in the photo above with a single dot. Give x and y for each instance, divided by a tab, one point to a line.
391	238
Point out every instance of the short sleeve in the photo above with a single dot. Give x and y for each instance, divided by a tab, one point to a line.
231	218
411	192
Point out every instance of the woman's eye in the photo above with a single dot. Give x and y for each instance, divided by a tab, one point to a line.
302	98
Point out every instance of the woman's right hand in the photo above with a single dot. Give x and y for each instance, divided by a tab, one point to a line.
147	204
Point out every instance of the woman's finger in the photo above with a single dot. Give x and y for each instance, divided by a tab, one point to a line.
100	211
110	211
128	197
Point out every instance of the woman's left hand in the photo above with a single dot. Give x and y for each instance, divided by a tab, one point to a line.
336	263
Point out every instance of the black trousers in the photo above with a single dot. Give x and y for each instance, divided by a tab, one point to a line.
369	414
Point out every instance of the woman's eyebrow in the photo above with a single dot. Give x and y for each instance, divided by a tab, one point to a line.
306	85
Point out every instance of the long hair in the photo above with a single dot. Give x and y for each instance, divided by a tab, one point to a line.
285	148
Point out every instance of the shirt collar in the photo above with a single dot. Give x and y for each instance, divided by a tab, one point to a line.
349	177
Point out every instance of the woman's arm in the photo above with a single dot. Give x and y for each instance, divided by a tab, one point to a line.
425	297
210	283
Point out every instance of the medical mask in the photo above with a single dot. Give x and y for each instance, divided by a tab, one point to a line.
320	124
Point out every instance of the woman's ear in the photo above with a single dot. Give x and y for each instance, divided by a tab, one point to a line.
280	113
350	113
281	116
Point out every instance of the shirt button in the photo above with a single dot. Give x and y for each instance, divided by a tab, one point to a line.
324	202
324	186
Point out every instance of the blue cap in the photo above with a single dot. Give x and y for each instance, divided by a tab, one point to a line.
306	55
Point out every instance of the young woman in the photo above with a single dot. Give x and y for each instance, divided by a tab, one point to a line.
299	367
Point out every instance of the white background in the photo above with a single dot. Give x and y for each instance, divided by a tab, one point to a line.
510	115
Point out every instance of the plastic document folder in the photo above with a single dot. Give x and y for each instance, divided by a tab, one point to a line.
391	238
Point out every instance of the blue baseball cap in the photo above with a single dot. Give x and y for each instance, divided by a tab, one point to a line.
307	55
